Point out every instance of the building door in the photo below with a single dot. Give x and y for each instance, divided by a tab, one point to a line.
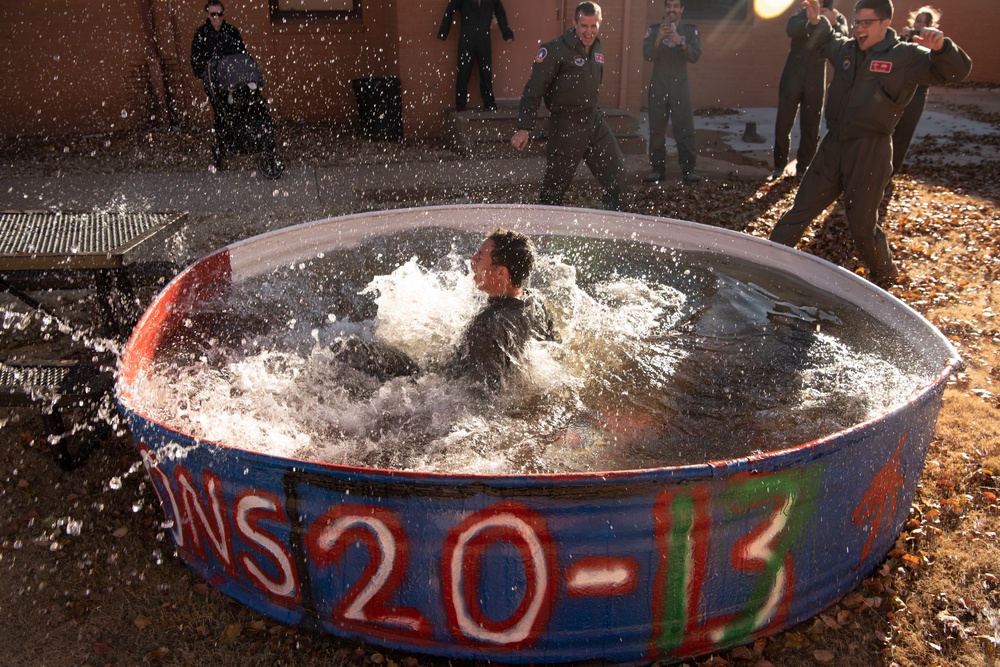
533	22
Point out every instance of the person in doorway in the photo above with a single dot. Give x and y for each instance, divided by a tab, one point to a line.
875	75
567	74
802	91
493	343
213	39
474	45
670	45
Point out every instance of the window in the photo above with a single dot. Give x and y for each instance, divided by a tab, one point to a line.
343	10
731	10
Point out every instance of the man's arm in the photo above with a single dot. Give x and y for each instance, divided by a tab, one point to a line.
501	14
650	42
691	47
543	73
797	24
199	54
946	63
449	12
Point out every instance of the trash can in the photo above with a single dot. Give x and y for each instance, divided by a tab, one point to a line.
381	106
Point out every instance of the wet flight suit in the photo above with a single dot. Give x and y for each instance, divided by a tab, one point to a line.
496	338
474	45
670	95
802	89
869	91
490	346
567	77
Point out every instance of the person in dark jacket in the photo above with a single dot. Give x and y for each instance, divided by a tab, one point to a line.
213	39
567	75
474	45
802	90
670	46
875	76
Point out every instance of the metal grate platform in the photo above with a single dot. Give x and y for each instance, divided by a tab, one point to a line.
75	240
58	383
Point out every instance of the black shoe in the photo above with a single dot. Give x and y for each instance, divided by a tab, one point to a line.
654	176
777	174
489	107
691	177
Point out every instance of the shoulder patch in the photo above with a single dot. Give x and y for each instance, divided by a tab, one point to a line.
599	57
880	66
540	56
847	63
649	31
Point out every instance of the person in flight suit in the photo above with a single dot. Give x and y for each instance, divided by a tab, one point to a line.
925	17
802	90
670	46
474	45
875	76
567	74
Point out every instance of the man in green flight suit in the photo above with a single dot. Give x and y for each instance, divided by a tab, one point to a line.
567	74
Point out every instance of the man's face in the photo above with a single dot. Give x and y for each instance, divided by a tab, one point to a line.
672	11
587	28
215	16
869	29
484	272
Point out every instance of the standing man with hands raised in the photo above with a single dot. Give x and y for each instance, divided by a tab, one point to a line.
875	76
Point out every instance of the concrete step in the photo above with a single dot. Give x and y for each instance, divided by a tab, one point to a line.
485	134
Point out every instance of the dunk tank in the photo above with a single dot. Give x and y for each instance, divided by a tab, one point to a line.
723	482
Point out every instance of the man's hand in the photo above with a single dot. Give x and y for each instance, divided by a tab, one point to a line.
813	11
520	140
669	34
932	38
830	15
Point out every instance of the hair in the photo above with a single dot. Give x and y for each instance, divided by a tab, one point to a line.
587	9
882	8
681	3
932	12
827	4
515	251
214	3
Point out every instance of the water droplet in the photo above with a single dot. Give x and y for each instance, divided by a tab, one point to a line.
115	483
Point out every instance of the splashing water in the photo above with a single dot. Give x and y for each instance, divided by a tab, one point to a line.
663	359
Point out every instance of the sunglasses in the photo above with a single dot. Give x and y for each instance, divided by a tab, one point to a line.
215	13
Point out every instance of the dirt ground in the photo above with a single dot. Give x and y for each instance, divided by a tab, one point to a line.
88	575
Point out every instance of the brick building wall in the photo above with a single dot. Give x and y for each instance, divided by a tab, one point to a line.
81	65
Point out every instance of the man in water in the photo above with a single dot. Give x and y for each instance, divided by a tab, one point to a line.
494	342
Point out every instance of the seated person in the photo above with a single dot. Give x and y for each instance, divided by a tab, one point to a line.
494	341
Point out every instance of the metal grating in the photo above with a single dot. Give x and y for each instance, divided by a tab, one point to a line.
75	233
41	241
32	378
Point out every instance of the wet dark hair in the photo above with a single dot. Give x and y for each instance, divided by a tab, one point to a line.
587	9
513	250
882	8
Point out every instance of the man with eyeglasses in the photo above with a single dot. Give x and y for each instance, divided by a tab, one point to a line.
213	39
875	76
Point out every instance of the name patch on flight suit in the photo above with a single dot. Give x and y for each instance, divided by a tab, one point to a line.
579	61
880	66
540	56
599	57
